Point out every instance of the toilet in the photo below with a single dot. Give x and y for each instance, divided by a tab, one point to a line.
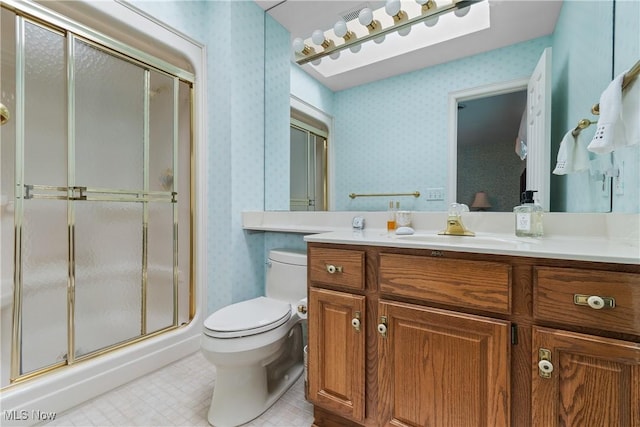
256	345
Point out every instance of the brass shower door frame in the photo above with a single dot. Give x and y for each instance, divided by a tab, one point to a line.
73	193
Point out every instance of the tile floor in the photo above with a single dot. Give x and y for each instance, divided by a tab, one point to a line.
177	395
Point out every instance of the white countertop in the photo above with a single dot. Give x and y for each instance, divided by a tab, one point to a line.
621	251
607	237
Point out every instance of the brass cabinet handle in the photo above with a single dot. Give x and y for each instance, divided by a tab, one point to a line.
355	322
331	269
545	367
382	326
594	301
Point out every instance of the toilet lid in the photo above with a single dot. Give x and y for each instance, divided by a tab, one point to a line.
247	318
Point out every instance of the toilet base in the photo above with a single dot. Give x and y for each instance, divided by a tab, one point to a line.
243	393
224	410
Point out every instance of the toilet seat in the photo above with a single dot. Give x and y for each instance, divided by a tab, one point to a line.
247	318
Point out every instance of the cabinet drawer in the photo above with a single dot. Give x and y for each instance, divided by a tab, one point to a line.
462	283
562	294
340	267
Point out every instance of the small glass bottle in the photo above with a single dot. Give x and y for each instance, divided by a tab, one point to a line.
528	216
391	218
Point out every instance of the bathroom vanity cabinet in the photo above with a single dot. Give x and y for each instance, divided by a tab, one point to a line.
424	337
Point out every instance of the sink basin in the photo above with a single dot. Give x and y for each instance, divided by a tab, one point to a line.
491	241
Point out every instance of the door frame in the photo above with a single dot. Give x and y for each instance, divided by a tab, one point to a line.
457	97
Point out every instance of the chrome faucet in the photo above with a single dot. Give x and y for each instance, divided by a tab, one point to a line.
455	227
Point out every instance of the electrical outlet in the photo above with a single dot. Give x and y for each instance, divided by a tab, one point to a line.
434	194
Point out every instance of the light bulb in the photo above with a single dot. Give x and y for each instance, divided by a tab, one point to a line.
317	37
404	31
379	39
298	45
335	55
392	7
422	2
316	62
355	48
365	17
340	28
462	12
431	22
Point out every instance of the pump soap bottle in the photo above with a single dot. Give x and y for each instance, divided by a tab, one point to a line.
528	216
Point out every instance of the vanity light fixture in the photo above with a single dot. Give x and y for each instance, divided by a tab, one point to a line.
384	26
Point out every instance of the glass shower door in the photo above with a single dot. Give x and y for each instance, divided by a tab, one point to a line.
108	144
96	182
307	165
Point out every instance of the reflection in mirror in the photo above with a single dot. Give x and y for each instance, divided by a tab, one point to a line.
487	160
308	163
390	135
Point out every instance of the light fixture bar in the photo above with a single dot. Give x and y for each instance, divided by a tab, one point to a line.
398	25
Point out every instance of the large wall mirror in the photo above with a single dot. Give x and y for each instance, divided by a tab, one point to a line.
392	135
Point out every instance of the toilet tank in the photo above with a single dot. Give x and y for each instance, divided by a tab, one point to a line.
287	275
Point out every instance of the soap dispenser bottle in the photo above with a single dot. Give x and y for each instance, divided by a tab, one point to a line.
528	216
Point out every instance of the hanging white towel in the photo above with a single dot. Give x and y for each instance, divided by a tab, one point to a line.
571	156
630	114
521	139
610	131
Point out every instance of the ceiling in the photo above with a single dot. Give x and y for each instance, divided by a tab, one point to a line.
512	21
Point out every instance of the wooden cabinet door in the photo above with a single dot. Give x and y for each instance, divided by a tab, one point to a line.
594	381
441	368
337	352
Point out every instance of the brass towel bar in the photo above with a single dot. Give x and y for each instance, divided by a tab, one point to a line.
628	78
414	194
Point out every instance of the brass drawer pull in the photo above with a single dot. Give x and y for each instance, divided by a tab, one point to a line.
331	269
545	367
382	326
594	301
355	322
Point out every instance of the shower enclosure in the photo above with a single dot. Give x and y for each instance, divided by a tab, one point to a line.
308	165
96	195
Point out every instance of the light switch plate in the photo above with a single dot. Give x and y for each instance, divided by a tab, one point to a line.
434	194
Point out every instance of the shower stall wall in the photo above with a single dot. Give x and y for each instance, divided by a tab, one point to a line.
97	201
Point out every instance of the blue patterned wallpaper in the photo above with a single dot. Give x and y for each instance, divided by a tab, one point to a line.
277	114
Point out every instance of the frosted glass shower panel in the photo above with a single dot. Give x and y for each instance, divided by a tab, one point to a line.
45	103
299	161
108	274
161	132
160	266
44	284
109	119
44	242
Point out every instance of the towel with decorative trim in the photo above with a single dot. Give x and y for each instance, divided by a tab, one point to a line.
571	156
610	131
